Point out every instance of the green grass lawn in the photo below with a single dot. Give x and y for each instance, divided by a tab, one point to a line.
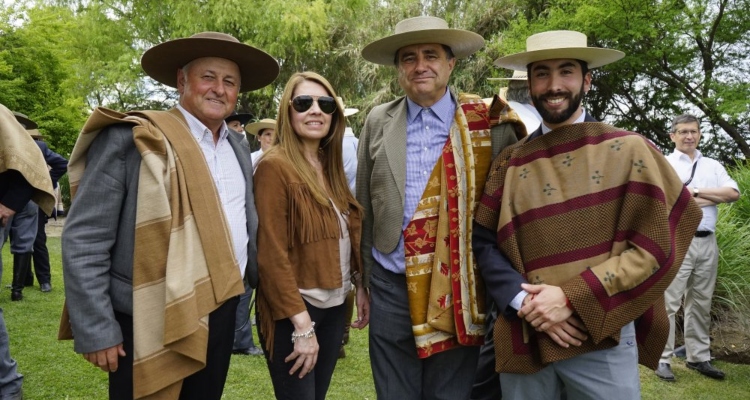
53	371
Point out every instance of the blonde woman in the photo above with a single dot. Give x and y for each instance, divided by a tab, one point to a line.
308	240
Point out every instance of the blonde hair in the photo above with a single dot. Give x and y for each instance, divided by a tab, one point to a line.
288	143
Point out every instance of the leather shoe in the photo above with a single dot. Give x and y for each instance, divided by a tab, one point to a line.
665	372
252	351
705	368
45	287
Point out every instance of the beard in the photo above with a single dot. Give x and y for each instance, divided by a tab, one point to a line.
560	116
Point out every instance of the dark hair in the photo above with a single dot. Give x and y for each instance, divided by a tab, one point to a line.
448	53
518	90
584	67
683	119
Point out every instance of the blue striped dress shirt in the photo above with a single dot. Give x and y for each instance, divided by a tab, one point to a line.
426	133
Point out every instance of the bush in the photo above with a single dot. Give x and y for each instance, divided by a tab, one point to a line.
733	236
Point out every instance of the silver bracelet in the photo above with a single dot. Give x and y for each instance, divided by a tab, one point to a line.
307	335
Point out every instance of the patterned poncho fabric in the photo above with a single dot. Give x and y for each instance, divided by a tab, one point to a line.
600	213
446	296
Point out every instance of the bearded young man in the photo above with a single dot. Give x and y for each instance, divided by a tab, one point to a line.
593	222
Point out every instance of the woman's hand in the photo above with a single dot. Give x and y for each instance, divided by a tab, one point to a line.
305	349
363	308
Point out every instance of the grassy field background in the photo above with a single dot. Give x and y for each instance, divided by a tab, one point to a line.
53	371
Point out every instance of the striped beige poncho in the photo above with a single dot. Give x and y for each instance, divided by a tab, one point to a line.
184	265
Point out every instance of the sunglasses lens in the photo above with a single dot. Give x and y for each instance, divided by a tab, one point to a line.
302	103
327	104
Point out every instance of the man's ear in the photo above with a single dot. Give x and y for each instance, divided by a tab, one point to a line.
587	82
181	78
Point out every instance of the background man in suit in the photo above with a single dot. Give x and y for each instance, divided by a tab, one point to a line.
710	185
420	348
116	271
565	206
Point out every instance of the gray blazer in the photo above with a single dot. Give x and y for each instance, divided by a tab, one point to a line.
381	176
99	236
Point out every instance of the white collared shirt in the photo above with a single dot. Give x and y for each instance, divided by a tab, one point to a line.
709	173
228	179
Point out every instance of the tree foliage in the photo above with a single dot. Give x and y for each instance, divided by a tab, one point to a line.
682	55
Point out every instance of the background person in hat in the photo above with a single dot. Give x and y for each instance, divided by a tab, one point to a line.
349	155
596	220
349	149
58	166
195	231
236	121
710	185
23	177
24	229
265	131
424	336
518	98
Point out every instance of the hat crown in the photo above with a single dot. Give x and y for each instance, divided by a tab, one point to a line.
422	23
215	36
556	40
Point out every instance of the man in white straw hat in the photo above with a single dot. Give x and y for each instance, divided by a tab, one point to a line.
265	131
595	220
162	226
427	312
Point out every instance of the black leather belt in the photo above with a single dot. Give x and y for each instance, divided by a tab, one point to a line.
703	233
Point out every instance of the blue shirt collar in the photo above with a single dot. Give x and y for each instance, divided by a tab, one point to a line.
445	107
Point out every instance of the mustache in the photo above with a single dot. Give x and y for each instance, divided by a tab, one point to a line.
547	95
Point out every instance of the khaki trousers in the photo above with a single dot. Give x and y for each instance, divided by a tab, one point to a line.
695	282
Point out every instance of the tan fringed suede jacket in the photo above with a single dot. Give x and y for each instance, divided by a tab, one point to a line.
298	241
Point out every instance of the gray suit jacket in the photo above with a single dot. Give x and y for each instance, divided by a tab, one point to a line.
381	177
99	236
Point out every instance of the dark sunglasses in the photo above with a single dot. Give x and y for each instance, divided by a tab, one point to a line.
302	103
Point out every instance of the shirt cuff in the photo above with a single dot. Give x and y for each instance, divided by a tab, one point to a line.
517	301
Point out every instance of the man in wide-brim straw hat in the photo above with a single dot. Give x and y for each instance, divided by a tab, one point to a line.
427	317
162	226
564	211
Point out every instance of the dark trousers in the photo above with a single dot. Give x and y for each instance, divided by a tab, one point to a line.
41	254
243	328
206	384
487	381
397	371
329	329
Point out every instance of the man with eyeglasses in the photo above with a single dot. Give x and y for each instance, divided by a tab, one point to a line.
709	183
422	161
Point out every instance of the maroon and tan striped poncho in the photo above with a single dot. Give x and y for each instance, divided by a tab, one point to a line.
599	212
